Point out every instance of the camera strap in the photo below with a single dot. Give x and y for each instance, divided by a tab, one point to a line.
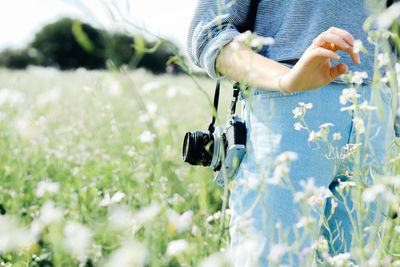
211	127
236	90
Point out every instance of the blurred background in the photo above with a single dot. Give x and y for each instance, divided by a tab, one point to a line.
70	34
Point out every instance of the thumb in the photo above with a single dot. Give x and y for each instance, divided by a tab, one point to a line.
338	70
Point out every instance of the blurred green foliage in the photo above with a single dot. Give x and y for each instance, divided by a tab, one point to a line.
70	44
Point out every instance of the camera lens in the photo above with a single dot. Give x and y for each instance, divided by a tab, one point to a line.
197	149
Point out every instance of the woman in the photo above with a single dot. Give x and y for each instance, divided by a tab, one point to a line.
293	72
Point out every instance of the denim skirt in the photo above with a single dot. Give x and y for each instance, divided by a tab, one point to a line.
286	156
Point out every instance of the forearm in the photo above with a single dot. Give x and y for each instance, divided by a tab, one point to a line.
246	66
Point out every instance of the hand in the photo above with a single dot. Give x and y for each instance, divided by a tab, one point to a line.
313	70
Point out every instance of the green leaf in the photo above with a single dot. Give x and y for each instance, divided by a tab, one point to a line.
81	36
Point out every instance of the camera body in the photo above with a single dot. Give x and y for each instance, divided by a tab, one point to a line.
209	149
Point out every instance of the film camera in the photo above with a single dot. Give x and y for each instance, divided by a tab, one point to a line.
209	149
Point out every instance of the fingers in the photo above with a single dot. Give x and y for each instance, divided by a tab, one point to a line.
338	70
337	39
326	40
325	53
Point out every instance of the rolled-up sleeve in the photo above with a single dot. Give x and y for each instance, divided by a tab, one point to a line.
214	24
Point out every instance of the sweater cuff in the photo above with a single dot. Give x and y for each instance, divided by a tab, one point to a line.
211	50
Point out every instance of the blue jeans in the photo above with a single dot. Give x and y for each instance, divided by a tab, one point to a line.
266	212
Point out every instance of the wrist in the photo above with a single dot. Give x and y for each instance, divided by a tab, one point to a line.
281	87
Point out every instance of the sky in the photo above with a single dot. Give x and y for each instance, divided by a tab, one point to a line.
21	19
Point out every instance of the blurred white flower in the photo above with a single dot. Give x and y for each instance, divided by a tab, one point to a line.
50	214
260	41
298	126
313	136
383	59
150	86
146	137
298	112
243	36
334	205
370	194
287	156
116	198
151	106
144	117
276	253
326	125
171	91
49	187
364	106
358	77
146	214
359	124
216	260
10	97
77	239
340	259
49	97
176	247
337	136
12	237
348	94
386	18
120	218
306	106
358	46
248	251
304	222
181	222
130	254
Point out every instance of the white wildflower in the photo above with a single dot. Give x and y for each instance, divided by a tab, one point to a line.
10	97
129	254
304	222
340	259
298	112
12	237
77	239
326	125
216	260
359	124
243	36
50	214
298	126
180	222
148	87
313	136
276	252
171	91
146	214
151	107
358	46
287	156
44	187
348	94
358	77
176	247
120	218
383	59
386	18
370	194
364	106
116	198
337	136
146	137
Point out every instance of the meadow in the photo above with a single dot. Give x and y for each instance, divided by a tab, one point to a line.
91	170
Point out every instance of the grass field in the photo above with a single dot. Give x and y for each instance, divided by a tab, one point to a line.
91	170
